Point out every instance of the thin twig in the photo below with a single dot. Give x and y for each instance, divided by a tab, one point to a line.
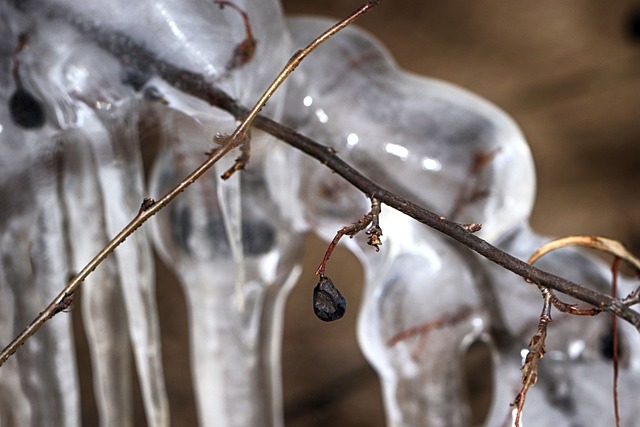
147	210
536	352
196	85
614	331
442	321
374	232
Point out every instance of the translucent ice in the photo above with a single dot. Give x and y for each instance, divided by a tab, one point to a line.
229	242
420	312
425	302
40	387
439	145
235	327
87	144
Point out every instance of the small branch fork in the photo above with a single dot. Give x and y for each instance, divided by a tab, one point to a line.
149	206
536	352
536	345
371	220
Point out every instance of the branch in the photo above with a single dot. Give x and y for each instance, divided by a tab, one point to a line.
149	206
194	84
452	229
374	232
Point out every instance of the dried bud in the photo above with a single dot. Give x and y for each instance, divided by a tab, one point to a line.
328	302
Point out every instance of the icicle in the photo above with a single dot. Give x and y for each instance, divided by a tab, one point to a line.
32	243
235	351
34	266
102	305
229	196
79	87
119	176
14	404
235	262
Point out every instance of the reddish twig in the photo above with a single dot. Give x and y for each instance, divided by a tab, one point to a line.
196	85
374	232
469	192
246	49
446	319
572	308
614	331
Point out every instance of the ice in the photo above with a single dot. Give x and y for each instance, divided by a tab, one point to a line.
71	178
102	304
419	314
106	111
575	377
229	242
234	347
434	143
196	35
465	159
39	388
442	147
120	177
87	149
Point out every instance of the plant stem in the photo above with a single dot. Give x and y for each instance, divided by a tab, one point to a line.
150	208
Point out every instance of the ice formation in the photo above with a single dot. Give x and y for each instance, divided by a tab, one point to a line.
425	302
71	177
236	303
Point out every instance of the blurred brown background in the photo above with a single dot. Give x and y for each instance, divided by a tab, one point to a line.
568	72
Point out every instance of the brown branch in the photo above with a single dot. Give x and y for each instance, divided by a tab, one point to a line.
614	331
196	85
536	352
149	206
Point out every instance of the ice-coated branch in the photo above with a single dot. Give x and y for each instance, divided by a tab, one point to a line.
150	207
195	85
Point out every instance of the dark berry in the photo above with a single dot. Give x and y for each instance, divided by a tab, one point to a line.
328	302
